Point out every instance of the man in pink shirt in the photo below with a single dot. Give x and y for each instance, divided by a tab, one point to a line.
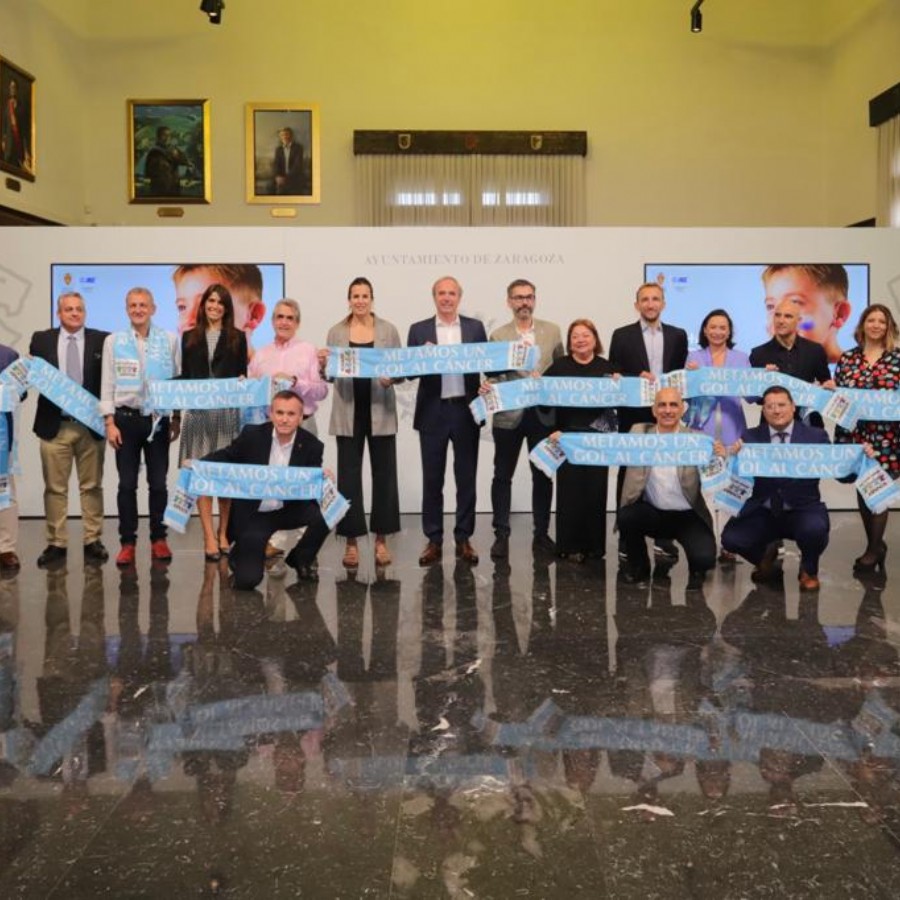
293	360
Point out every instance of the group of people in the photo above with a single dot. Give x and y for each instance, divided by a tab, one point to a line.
664	503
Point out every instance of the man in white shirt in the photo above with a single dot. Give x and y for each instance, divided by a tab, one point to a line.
442	418
279	442
131	359
665	502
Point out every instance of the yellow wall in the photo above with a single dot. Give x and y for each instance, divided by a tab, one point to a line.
754	122
865	62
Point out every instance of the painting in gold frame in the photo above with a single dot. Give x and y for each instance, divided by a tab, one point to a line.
282	153
169	151
17	144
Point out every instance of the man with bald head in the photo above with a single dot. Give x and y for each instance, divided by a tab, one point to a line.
442	418
665	502
792	354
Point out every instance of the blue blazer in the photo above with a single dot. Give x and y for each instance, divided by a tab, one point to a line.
796	492
428	398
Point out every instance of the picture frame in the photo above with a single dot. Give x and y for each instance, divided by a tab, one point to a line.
17	116
169	151
282	168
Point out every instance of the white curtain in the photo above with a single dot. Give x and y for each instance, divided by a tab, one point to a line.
889	173
470	190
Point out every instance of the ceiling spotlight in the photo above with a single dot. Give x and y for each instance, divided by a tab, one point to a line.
213	8
697	17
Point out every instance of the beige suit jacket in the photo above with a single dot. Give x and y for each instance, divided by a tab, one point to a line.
548	340
636	479
384	401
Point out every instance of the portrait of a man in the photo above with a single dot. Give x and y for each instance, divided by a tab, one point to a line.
282	154
169	151
16	121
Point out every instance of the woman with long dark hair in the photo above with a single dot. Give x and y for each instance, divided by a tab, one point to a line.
213	348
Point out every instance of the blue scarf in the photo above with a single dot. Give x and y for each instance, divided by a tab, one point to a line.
431	359
209	393
249	482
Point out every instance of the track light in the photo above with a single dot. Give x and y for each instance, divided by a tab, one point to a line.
697	17
213	8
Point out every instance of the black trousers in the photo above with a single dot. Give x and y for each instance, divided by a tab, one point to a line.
640	520
458	428
581	509
385	516
251	533
135	430
507	447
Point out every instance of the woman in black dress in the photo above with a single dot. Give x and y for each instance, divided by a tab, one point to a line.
581	490
213	348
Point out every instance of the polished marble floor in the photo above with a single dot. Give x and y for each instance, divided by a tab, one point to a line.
530	729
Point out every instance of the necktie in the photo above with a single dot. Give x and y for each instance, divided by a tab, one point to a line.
73	366
778	499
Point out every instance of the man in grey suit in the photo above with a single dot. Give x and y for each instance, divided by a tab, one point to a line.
512	427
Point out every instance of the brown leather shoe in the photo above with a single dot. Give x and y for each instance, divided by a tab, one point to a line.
767	569
808	582
9	561
431	554
466	552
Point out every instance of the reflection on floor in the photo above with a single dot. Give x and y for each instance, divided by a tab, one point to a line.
530	729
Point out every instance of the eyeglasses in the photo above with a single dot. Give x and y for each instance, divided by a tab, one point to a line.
522	297
286	317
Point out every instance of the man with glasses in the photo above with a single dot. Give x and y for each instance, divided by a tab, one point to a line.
512	427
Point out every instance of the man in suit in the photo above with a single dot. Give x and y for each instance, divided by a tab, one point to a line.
442	417
665	502
279	442
77	351
647	348
288	164
513	427
780	508
791	354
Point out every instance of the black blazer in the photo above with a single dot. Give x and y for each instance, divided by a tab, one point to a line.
44	344
796	492
225	363
628	356
253	447
428	398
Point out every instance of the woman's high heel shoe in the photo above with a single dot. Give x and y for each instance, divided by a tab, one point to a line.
871	563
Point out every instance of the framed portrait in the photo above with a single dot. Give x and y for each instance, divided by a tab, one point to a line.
17	148
168	151
282	153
